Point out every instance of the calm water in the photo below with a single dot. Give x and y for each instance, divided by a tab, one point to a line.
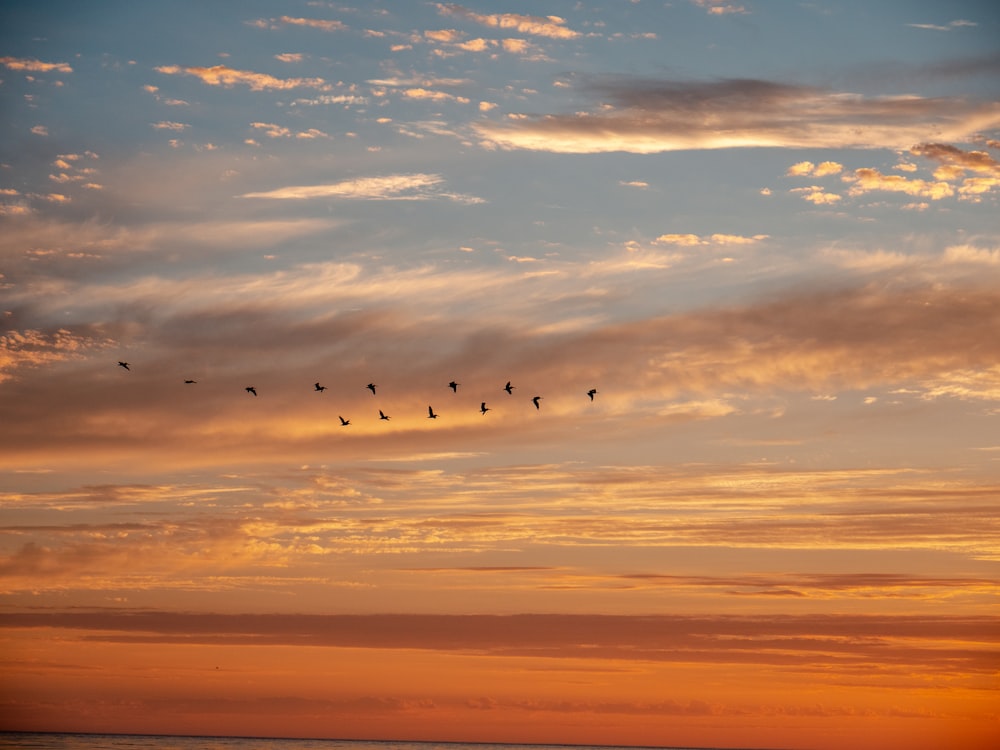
22	740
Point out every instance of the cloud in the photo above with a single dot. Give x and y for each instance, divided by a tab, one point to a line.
434	96
279	131
33	348
689	240
314	23
414	186
956	162
167	125
552	27
950	26
34	66
866	180
805	168
817	195
720	7
221	75
931	644
649	116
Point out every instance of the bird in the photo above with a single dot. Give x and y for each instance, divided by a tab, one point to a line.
371	387
509	388
483	408
430	413
454	386
535	401
591	393
382	416
319	387
343	422
123	364
190	382
251	389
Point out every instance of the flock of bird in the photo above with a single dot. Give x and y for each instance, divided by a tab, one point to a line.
317	387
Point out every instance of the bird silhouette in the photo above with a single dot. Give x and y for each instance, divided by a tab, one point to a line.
430	413
454	386
591	393
509	388
123	364
319	387
535	401
251	389
371	387
190	382
343	422
382	416
483	408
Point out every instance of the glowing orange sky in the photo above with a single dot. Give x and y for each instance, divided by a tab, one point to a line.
766	237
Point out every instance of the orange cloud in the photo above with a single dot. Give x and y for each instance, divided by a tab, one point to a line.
34	66
866	180
32	348
221	75
521	678
816	195
552	27
689	240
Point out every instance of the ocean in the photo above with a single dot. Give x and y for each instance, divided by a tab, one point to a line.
55	741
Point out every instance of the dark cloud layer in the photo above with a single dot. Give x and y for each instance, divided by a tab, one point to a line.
651	116
811	639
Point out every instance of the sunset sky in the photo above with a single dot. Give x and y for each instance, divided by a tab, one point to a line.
766	233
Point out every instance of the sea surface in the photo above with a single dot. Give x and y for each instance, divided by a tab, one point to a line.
45	741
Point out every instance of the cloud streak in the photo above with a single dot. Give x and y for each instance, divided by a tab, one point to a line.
648	116
406	187
222	75
839	642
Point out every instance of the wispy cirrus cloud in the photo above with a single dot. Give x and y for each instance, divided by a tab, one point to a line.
648	116
958	23
411	187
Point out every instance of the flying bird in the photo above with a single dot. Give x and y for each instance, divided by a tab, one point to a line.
509	388
430	413
483	408
343	422
591	393
382	416
319	387
371	387
190	382
251	389
454	386
535	401
123	364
